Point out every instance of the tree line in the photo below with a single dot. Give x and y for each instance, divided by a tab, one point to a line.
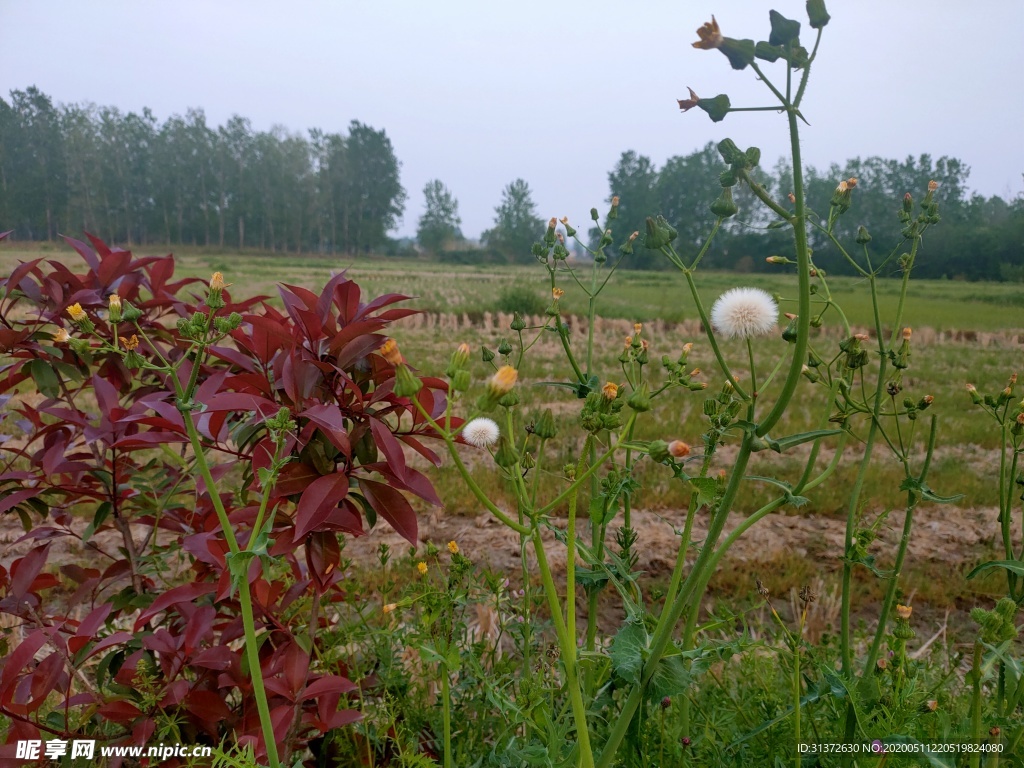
132	179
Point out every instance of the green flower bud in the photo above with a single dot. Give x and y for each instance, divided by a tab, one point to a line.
133	360
816	14
716	108
613	212
406	382
727	178
549	236
724	206
461	381
790	334
517	322
740	53
504	347
863	238
908	203
486	354
731	153
545	426
753	157
527	462
594	214
658	451
766	52
784	31
640	399
656	238
539	250
506	456
509	399
569	230
129	314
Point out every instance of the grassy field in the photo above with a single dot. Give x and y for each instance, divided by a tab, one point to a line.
963	332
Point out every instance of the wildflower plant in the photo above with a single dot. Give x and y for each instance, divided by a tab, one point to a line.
857	385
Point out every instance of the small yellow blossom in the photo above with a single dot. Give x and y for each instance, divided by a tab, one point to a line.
453	547
390	352
217	282
422	568
557	293
637	327
615	201
851	182
710	35
933	185
77	313
503	381
62	336
389	608
610	391
131	343
904	611
907	332
115	302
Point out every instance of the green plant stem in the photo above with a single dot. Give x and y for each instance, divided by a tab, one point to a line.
976	702
252	649
663	633
567	647
803	273
890	594
446	716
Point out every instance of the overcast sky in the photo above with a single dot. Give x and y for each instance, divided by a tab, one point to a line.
478	93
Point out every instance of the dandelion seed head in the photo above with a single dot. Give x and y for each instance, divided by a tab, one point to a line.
481	433
744	312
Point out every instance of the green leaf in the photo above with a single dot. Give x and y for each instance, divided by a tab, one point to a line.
706	488
97	520
45	377
1013	566
785	443
922	490
629	651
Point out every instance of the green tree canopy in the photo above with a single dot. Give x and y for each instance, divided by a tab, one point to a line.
439	224
516	224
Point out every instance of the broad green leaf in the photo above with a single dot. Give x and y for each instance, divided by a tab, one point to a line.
45	377
629	651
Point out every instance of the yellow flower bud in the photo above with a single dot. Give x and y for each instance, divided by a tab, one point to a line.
62	336
610	391
389	351
503	381
217	282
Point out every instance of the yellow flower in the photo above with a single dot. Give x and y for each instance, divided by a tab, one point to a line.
77	313
933	185
610	391
390	352
710	35
130	344
637	327
217	282
422	568
557	293
453	547
115	301
62	336
389	608
502	381
904	611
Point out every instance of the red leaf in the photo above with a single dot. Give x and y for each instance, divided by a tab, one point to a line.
330	419
119	711
392	506
84	251
322	557
17	659
186	593
389	446
25	569
318	501
328	684
207	706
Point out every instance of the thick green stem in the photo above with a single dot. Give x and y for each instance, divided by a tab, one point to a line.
567	647
663	633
